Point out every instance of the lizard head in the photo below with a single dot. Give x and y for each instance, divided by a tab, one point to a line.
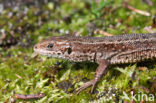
69	48
57	47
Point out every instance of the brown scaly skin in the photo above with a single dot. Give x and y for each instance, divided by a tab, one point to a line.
128	48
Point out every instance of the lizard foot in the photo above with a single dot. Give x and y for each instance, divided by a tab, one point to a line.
86	85
101	70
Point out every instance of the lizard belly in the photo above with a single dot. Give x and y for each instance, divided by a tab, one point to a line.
134	56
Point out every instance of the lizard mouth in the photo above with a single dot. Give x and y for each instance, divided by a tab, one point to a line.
36	49
39	50
44	52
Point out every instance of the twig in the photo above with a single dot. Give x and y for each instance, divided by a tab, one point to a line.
31	96
102	32
149	2
125	4
154	22
18	76
143	68
148	29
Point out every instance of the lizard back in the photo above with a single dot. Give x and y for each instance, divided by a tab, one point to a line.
125	48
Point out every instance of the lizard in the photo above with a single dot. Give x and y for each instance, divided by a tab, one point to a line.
105	51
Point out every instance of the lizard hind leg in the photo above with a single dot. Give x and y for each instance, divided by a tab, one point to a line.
102	69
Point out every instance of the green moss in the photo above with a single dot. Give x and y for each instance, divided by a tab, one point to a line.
22	73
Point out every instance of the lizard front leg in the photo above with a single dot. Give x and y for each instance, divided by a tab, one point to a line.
100	71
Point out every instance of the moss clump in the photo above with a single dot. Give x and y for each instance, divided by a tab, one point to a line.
25	24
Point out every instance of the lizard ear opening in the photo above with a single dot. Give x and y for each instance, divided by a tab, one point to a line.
50	45
69	50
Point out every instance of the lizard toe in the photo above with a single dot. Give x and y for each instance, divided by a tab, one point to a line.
93	86
84	86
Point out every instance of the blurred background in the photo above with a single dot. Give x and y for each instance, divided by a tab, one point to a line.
23	23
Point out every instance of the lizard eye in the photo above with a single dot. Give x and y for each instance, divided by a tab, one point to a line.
69	50
50	45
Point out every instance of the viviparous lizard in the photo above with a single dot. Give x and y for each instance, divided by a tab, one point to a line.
127	48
